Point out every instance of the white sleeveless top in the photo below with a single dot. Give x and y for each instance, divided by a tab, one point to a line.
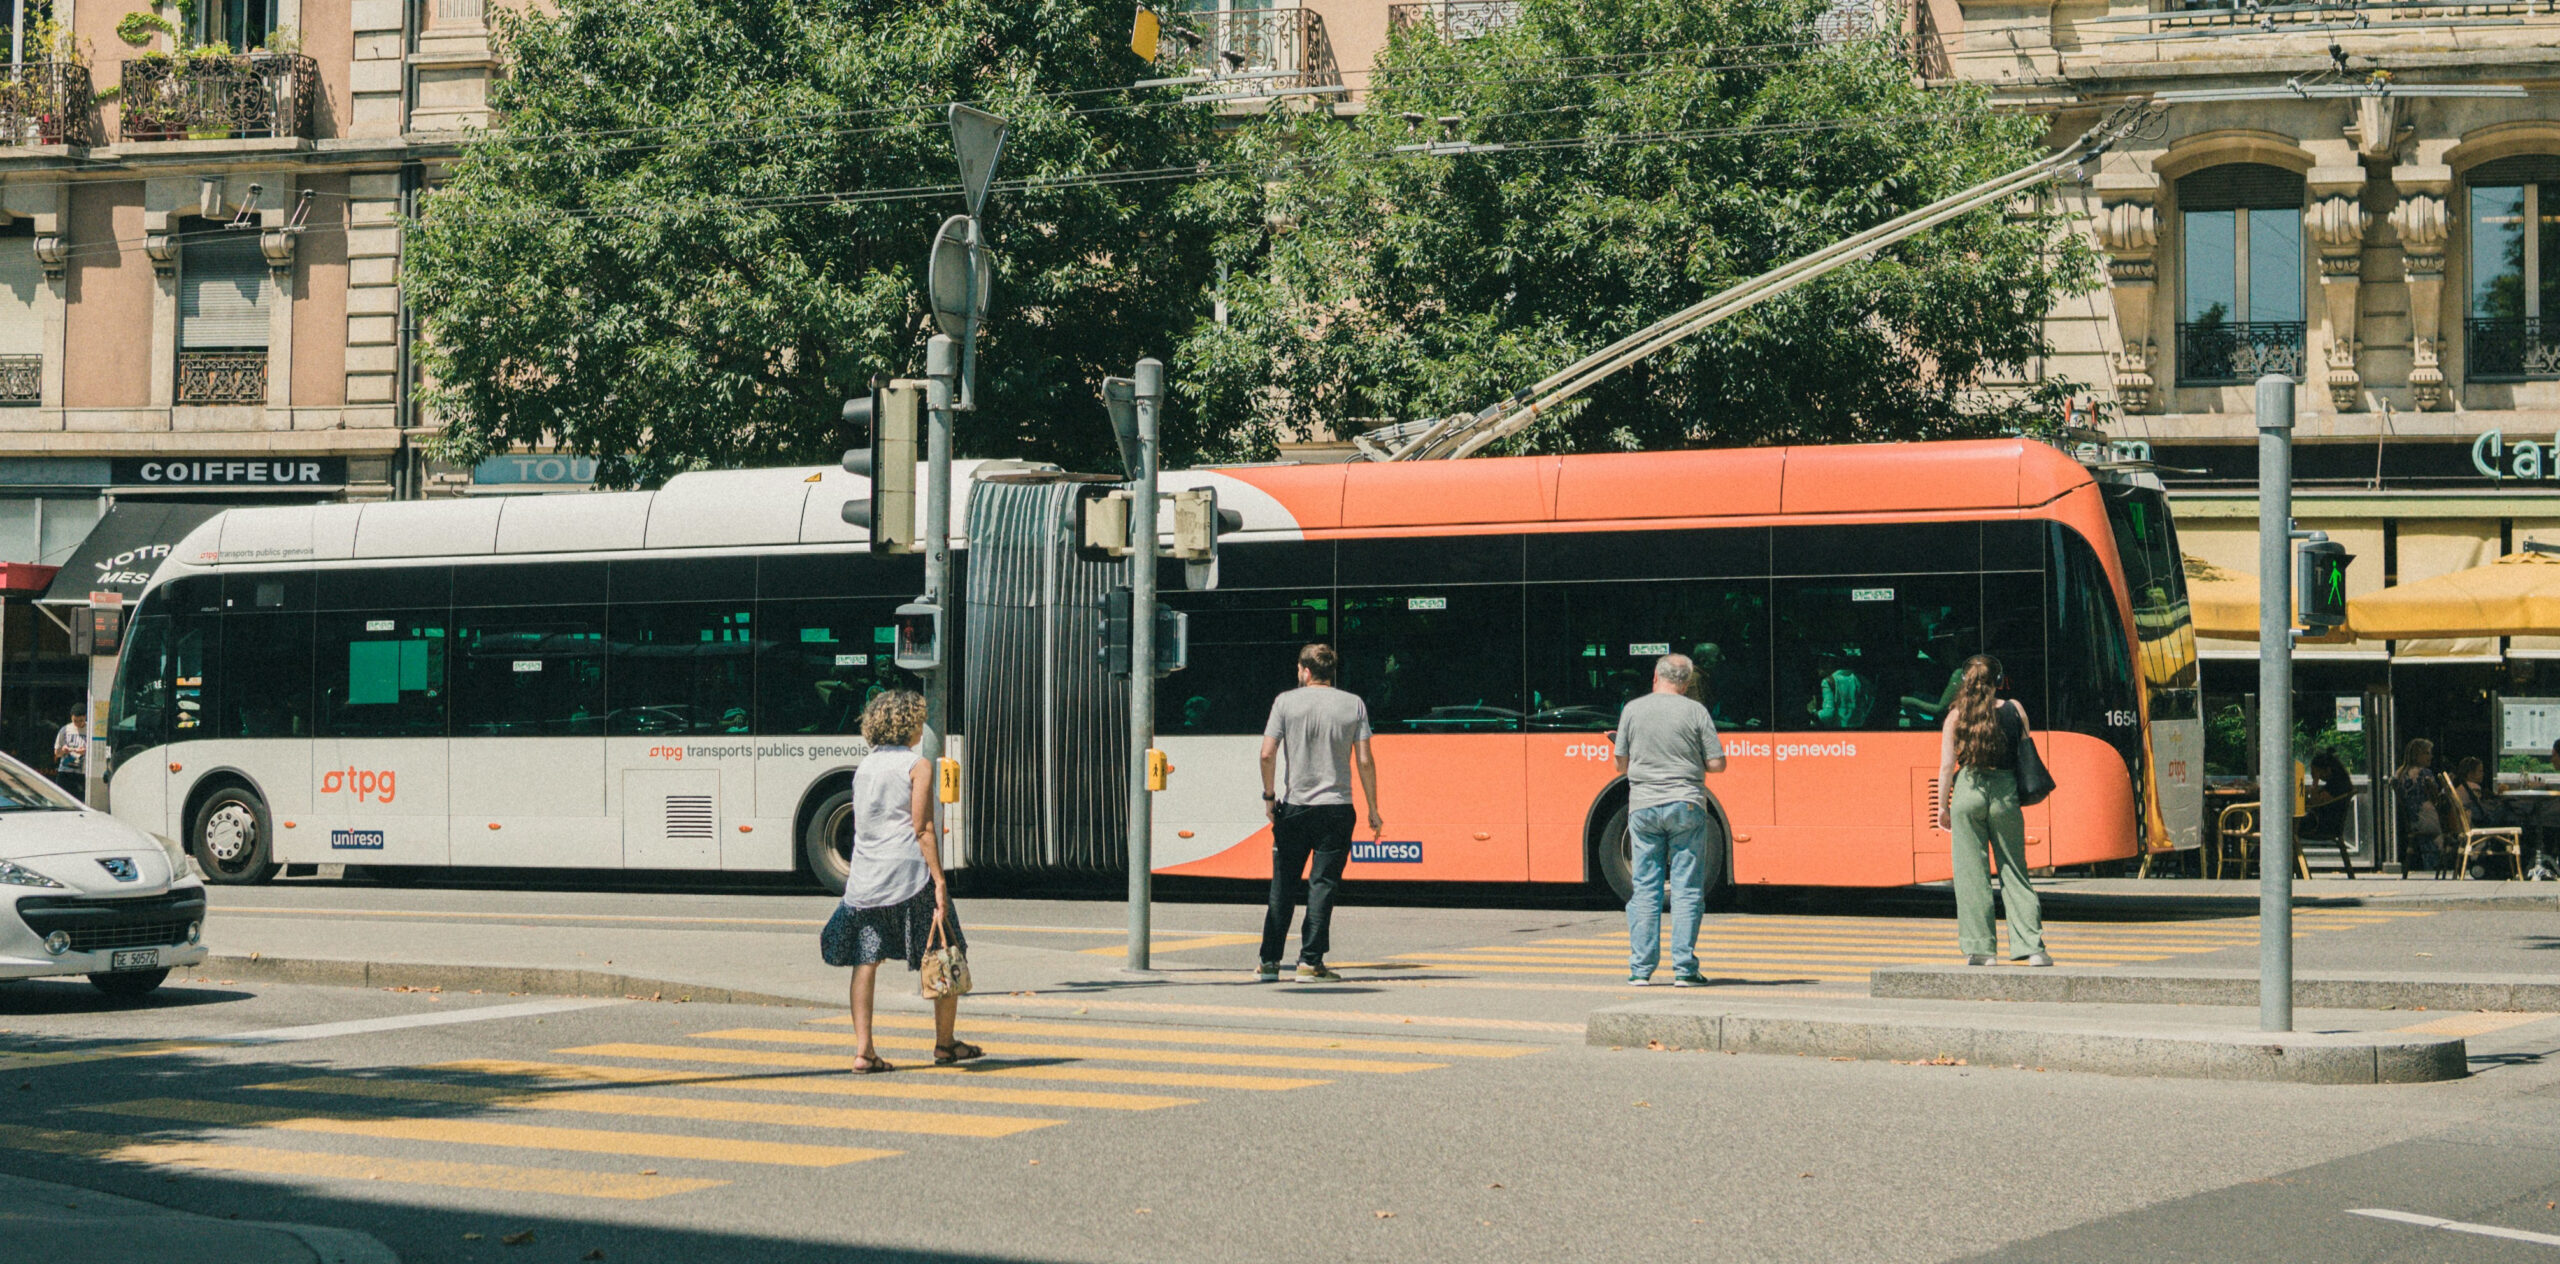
887	867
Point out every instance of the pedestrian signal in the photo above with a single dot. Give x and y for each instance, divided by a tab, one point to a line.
2321	585
919	636
888	420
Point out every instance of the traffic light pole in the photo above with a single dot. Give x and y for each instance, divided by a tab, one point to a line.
942	370
2276	783
1142	660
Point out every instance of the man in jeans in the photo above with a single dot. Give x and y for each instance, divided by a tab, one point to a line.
1319	728
1666	746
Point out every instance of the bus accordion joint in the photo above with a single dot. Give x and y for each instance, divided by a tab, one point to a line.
950	779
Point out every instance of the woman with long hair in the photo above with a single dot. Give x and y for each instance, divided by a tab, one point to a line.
897	903
2414	791
1978	804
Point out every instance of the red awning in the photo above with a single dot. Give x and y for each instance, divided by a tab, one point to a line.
25	579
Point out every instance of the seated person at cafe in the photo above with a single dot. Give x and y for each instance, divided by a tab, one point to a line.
2414	792
2329	798
2480	799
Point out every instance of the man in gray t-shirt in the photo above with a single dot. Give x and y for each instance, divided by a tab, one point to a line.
1666	746
1319	730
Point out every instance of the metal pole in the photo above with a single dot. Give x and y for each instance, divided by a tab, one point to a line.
2275	703
941	368
1142	660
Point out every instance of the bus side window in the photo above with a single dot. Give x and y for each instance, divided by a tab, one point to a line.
1873	652
1592	648
139	717
381	673
1244	653
529	672
681	667
1434	660
818	662
266	666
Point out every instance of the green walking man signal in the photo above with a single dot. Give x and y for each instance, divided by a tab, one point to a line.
2320	591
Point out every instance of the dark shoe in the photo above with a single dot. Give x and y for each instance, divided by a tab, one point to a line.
956	1051
1268	972
873	1065
1639	980
1315	972
1691	979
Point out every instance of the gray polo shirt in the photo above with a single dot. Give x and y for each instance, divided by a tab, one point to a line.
1316	725
1667	739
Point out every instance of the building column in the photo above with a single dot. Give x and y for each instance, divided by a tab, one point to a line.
373	299
2128	232
46	207
2421	221
276	243
2335	223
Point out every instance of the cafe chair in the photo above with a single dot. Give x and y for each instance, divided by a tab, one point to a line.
2481	841
2235	842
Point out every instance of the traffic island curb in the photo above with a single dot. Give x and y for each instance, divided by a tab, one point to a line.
78	1226
526	980
2054	1044
2311	989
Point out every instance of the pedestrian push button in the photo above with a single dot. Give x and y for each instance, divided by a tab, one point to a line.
1158	768
949	779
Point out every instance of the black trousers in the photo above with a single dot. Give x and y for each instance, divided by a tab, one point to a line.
1313	840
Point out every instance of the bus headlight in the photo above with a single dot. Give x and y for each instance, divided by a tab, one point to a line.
58	943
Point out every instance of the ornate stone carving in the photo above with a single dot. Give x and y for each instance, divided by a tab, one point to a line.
2420	221
2133	380
2129	232
277	245
162	245
2377	129
53	252
2336	225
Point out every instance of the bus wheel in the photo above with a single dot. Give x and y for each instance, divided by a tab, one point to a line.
230	837
826	842
1614	861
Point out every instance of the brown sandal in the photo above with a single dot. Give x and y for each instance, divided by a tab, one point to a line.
873	1065
956	1051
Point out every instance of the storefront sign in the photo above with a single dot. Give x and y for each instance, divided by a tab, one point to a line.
534	470
2350	715
2495	458
306	471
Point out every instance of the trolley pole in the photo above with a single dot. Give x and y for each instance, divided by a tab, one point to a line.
942	371
2276	789
1142	660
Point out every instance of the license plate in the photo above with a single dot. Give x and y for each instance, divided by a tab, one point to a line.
134	959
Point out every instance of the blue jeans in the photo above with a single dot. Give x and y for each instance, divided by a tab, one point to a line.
1676	833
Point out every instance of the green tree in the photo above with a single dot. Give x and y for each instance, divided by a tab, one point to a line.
659	261
1657	151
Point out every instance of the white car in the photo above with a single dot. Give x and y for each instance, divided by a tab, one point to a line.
84	893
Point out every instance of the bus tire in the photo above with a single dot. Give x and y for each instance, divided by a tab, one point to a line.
1613	859
230	837
826	841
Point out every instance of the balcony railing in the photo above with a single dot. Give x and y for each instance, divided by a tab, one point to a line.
47	103
222	377
21	381
1260	49
2512	349
259	95
2223	353
1454	20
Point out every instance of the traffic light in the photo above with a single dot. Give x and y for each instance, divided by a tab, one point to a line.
891	417
1198	522
1173	641
919	636
1111	621
1102	523
2321	585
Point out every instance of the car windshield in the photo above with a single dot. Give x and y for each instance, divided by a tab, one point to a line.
23	789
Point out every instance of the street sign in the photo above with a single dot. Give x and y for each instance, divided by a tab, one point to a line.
956	277
979	138
1120	399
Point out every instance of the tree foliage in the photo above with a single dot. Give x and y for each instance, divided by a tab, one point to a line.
1657	151
653	262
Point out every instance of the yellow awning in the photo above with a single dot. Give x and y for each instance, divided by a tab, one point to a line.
2517	595
2223	603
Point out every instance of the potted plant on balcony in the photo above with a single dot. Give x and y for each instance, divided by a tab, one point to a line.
209	75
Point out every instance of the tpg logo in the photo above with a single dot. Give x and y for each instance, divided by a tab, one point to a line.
377	787
1601	751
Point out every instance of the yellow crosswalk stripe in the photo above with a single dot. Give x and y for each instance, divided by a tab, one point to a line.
924	1122
866	1086
1185	944
2472	1024
2082	955
1180	1036
1083	1074
1594	971
263	1161
477	1132
23	1060
1105	1053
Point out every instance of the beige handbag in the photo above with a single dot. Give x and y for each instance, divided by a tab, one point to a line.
946	968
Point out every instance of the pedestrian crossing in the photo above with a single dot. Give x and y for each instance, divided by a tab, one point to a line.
640	1121
1768	950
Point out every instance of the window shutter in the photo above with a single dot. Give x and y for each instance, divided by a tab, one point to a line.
2237	186
223	292
21	279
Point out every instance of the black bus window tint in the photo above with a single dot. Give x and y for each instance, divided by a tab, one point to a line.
195	651
1592	648
819	662
2090	672
529	584
1244	653
2014	633
803	576
382	673
682	667
266	669
2156	584
138	718
528	673
251	591
1434	660
378	587
1875	652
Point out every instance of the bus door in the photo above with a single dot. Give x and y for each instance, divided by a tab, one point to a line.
378	771
528	748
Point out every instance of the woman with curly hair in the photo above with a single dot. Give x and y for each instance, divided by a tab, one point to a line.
1978	805
896	900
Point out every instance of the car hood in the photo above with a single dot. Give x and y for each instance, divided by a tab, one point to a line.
67	846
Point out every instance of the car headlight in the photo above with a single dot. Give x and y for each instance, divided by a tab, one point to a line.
21	876
177	854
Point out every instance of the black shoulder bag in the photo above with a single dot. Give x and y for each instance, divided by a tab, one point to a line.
2035	781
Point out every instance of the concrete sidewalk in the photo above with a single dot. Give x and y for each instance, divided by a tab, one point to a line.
2154	896
80	1226
2164	985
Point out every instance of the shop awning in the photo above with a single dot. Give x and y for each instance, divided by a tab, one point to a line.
2223	603
127	546
2517	595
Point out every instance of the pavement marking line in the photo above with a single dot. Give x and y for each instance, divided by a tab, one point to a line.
477	1132
1275	1011
397	1022
1177	945
1831	973
2457	1226
792	1115
810	923
17	1061
2472	1024
867	1086
1082	1074
263	1161
1826	957
1177	1036
1103	1053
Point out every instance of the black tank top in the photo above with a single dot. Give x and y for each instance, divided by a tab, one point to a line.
2013	728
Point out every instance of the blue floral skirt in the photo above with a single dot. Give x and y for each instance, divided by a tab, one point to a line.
863	937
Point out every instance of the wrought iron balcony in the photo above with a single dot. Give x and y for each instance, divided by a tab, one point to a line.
2513	349
21	381
47	103
1454	19
1258	49
2227	353
222	377
252	96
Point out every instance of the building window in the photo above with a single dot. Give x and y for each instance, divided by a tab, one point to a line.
224	297
242	24
45	530
2242	314
21	322
2515	234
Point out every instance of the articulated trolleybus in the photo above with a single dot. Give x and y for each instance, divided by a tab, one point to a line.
670	679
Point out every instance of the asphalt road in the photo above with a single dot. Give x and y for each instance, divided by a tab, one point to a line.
1287	1124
